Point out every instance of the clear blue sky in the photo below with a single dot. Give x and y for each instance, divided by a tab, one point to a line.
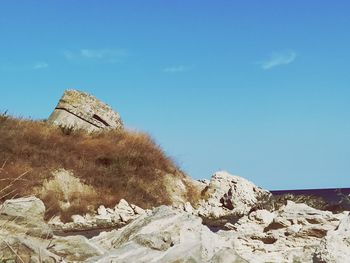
258	88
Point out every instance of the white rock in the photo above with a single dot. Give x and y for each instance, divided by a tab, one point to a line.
74	248
124	217
167	235
79	110
188	208
292	236
31	207
78	219
102	211
138	210
263	216
123	207
335	247
229	194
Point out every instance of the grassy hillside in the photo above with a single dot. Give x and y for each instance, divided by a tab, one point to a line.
114	164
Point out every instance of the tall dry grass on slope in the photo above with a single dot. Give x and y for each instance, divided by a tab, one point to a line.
116	164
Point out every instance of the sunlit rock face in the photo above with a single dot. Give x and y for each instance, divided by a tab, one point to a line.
81	111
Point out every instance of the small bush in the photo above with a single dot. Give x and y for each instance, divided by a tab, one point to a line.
66	193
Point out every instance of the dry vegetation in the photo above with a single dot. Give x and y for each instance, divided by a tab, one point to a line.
115	164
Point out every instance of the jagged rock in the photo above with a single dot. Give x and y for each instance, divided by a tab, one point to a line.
29	207
278	223
335	247
102	211
304	214
74	248
293	235
25	215
188	208
264	216
123	206
122	213
79	110
138	210
227	194
167	235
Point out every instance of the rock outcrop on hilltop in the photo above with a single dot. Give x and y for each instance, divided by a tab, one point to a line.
294	232
81	111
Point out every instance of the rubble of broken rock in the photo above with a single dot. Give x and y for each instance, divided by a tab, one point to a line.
295	232
104	218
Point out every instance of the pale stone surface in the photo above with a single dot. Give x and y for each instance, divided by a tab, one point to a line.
294	233
264	216
229	195
23	207
122	213
80	110
166	235
335	247
74	248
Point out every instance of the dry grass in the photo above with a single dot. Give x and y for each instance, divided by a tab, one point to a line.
117	164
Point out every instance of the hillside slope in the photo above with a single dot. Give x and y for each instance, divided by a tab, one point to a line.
114	164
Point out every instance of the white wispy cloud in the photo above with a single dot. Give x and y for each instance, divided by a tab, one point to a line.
278	59
177	69
106	55
21	67
40	65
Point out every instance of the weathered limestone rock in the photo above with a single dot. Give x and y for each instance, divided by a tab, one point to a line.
290	234
31	207
167	235
122	214
229	195
335	247
80	110
74	248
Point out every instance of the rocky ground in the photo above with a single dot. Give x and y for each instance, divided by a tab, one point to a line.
233	231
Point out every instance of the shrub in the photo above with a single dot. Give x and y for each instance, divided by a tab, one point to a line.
66	193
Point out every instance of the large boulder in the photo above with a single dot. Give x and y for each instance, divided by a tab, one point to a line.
25	215
79	110
167	235
335	247
228	194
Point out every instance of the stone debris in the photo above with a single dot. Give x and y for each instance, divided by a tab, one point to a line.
335	247
293	233
119	216
81	111
166	235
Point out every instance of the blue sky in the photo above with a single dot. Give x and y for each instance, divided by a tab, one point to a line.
258	88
